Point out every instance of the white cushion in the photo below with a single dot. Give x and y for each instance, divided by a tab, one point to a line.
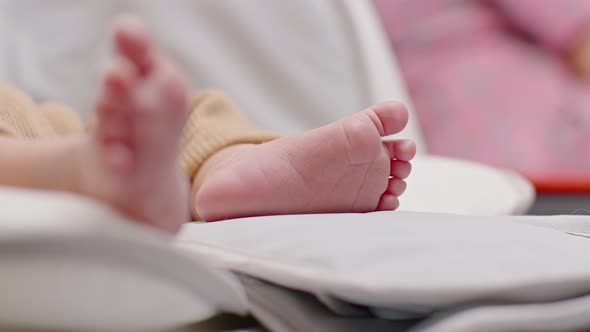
73	264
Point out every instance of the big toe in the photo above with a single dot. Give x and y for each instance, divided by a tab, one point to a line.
133	41
389	117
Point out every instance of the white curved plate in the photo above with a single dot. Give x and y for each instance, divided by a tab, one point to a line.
445	185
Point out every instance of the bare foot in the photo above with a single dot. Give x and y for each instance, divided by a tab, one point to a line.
342	167
130	160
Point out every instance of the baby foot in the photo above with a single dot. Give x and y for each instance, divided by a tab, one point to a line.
345	166
130	160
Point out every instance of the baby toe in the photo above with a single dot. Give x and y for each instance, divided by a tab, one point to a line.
400	169
397	186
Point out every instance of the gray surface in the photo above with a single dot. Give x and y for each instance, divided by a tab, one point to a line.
221	323
224	323
552	204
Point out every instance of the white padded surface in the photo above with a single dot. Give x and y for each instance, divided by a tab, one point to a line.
403	260
70	263
290	65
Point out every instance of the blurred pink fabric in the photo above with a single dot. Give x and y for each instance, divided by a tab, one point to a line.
489	81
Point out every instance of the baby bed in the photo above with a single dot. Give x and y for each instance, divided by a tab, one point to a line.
290	65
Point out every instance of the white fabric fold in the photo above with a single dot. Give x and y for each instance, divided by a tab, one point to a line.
391	259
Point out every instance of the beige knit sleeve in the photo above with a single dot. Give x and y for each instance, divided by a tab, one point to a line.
63	119
21	117
215	123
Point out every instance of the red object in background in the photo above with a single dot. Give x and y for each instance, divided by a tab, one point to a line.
566	182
